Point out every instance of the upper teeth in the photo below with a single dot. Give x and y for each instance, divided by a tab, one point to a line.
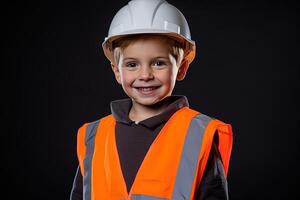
147	88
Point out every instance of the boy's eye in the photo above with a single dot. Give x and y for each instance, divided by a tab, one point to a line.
131	64
159	63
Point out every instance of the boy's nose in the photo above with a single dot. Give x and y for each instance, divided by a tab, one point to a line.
146	73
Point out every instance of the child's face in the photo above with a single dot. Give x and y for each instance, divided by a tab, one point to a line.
147	71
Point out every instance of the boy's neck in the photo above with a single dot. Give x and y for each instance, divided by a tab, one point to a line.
140	112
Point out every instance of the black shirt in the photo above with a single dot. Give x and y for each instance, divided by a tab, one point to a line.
133	140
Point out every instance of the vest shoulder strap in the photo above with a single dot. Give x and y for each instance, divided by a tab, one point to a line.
220	133
85	138
216	131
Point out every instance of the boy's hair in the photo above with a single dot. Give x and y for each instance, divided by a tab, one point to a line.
175	48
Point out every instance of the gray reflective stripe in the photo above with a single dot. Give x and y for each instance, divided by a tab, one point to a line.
189	157
87	162
145	197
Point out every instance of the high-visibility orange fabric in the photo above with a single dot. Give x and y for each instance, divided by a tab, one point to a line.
224	132
157	173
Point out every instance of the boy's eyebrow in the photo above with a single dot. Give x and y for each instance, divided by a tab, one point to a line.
158	57
130	58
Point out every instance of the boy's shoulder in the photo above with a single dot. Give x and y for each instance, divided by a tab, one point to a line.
206	118
94	124
89	129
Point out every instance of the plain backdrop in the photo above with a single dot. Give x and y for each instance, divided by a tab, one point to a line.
54	78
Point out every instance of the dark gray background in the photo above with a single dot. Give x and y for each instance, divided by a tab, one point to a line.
55	78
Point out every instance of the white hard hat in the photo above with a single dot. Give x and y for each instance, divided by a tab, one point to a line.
150	17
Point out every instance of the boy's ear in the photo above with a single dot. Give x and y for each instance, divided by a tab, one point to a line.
116	72
182	70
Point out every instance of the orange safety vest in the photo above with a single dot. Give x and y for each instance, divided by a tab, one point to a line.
172	168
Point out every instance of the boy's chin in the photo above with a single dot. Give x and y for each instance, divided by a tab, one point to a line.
150	102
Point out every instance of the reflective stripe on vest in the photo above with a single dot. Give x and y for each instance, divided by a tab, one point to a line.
192	161
189	158
87	162
145	197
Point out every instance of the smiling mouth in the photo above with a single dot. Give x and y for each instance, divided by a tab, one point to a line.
147	90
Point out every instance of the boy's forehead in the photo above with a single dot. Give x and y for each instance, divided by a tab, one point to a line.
150	46
149	41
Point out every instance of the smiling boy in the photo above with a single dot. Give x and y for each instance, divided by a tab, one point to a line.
148	72
152	146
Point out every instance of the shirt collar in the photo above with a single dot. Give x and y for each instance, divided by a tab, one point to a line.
120	111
